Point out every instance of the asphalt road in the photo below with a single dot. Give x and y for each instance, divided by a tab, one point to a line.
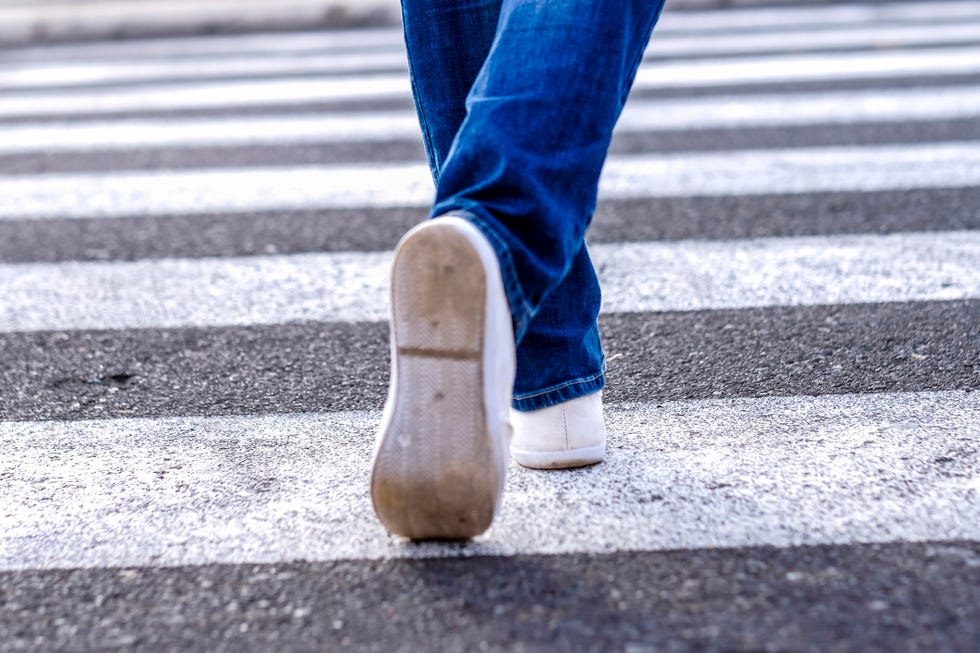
193	352
905	597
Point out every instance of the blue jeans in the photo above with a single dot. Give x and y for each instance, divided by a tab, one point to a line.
517	100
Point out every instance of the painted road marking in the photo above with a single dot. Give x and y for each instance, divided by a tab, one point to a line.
778	471
740	172
349	286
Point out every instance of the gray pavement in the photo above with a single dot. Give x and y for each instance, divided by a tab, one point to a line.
289	368
329	230
896	597
788	474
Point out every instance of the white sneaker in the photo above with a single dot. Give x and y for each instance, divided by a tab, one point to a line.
441	457
569	434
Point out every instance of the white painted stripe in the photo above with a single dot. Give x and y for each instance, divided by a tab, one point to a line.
26	77
212	132
785	110
211	191
800	68
728	20
75	72
681	74
744	172
207	95
346	286
811	39
769	110
682	475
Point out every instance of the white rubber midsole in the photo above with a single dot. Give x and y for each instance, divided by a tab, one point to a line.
560	459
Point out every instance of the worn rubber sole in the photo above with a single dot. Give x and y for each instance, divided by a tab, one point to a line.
567	459
437	470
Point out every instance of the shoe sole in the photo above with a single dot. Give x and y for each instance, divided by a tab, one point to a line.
560	459
436	473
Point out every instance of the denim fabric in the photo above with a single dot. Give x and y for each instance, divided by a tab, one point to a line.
517	100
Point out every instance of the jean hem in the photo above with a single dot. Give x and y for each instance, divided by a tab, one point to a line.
560	393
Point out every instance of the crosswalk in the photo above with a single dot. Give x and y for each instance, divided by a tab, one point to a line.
194	244
288	86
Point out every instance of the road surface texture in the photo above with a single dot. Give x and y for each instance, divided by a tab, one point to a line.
194	242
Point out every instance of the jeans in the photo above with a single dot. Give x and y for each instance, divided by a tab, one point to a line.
517	100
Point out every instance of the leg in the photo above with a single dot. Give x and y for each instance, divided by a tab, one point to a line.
526	163
558	421
560	357
522	162
527	158
521	177
447	44
441	457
